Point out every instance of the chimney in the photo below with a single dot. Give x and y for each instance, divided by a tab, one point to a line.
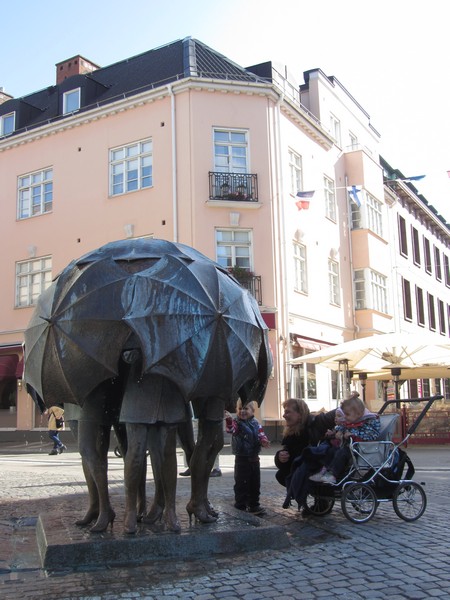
77	65
4	97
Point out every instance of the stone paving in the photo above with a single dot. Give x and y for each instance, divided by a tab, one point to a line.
326	556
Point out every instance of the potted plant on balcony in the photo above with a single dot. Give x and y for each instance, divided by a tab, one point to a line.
241	274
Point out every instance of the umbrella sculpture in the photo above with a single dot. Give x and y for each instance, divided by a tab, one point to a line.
194	324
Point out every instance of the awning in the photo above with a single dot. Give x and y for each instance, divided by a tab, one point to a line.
8	366
269	319
19	369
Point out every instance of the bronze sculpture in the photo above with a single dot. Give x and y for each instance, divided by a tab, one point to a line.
187	331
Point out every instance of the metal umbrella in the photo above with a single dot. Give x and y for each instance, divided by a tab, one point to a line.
198	327
76	334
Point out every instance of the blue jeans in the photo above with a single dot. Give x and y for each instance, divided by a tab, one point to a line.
53	435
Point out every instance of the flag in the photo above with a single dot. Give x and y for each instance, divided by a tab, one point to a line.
355	194
414	178
448	173
303	199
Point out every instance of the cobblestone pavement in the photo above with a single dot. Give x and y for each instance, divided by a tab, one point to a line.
327	556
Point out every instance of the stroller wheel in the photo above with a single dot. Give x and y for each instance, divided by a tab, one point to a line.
318	507
359	502
409	501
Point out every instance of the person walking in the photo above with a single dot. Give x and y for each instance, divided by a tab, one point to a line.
55	415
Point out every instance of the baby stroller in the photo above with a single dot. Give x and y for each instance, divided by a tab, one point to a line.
376	474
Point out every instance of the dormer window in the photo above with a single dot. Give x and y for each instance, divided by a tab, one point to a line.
7	123
71	101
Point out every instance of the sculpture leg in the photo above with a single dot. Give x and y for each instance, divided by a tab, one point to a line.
121	435
162	445
93	442
135	466
209	444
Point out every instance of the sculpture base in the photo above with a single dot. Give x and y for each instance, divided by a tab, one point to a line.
62	545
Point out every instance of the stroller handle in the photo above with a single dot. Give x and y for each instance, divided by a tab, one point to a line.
429	402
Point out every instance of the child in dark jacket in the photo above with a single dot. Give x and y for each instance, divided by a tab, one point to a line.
247	438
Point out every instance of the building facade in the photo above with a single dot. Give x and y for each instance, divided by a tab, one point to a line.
251	169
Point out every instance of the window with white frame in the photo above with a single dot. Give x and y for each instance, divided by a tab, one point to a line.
431	312
7	123
420	306
374	215
353	141
330	198
355	215
71	101
295	172
233	248
407	302
230	151
335	128
32	278
303	383
131	167
300	268
333	282
35	194
441	315
370	289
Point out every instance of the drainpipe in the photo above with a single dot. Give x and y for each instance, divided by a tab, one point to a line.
174	163
283	327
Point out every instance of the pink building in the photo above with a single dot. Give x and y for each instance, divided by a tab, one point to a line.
181	143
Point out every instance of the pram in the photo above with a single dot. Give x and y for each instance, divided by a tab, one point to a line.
376	474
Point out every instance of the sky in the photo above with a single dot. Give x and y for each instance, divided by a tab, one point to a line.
391	55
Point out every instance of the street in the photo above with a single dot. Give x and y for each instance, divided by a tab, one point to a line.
326	556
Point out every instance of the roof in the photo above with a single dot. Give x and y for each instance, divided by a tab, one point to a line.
154	68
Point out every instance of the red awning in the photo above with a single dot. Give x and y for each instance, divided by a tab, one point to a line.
8	366
269	319
19	369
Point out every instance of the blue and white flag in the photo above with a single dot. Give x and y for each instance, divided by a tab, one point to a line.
355	194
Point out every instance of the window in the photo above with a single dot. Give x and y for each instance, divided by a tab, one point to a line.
431	313
446	271
407	304
303	379
35	193
131	167
415	246
374	215
420	307
300	281
353	141
32	278
427	255
230	151
355	215
7	123
441	315
233	248
295	171
335	129
370	290
330	199
437	263
333	282
71	101
402	236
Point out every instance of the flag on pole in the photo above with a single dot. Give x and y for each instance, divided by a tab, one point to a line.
414	178
303	199
355	194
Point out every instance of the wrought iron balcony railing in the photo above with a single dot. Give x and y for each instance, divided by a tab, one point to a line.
241	187
252	283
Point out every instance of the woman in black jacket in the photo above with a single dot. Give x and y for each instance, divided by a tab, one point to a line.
302	429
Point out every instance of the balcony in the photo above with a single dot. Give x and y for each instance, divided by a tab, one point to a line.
237	187
250	282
